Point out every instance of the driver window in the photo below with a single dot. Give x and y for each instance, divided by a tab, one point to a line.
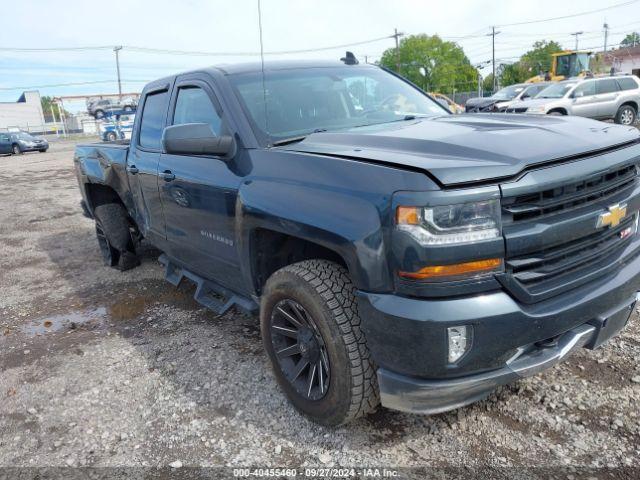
585	89
194	106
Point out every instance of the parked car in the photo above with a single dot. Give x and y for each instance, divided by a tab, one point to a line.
6	146
100	108
120	129
22	142
606	98
396	253
505	97
446	102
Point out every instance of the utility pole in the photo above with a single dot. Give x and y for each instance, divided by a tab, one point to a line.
606	37
577	34
117	50
397	36
493	54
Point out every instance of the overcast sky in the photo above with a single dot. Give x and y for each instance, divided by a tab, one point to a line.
232	26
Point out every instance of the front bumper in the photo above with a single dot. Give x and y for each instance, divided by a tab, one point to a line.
407	338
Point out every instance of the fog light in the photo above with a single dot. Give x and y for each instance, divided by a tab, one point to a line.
459	341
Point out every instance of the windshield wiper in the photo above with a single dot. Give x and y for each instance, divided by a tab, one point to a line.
299	138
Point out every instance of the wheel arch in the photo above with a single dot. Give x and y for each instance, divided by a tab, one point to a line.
559	110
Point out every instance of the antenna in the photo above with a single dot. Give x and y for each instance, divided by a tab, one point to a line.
264	89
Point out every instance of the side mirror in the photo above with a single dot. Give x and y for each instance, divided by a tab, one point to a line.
525	96
196	139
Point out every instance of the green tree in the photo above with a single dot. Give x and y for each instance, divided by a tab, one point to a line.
432	64
47	103
487	83
535	61
631	40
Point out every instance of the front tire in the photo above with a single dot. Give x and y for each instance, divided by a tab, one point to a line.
98	115
111	137
16	150
114	236
626	115
311	331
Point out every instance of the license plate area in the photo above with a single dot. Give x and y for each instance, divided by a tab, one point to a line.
609	325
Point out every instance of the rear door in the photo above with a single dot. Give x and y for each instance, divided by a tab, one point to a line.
5	143
199	192
584	102
607	91
142	162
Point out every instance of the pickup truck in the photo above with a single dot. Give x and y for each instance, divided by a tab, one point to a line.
396	254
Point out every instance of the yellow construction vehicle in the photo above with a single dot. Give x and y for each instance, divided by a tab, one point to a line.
570	63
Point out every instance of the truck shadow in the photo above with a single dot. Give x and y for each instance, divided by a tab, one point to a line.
215	362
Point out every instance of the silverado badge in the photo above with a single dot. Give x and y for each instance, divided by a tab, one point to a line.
613	217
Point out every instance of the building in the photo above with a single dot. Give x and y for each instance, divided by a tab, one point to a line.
624	60
25	114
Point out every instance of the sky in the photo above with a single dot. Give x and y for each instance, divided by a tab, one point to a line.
224	26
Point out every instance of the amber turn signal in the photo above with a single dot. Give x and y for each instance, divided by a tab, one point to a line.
407	216
436	271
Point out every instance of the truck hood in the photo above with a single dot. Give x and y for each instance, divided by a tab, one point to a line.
462	149
535	102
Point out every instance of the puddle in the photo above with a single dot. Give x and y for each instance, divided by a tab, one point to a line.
66	321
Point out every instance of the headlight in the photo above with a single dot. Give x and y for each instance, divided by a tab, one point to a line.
445	225
451	224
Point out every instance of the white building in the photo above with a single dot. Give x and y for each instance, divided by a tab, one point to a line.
624	60
25	114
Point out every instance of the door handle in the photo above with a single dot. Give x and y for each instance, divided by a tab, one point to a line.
132	169
167	176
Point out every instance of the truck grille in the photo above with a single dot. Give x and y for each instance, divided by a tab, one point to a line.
549	271
568	197
554	266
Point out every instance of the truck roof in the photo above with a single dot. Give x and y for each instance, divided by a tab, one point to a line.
251	67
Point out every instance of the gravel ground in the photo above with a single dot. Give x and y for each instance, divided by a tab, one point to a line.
101	368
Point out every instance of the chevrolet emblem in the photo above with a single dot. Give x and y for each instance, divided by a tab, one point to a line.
613	217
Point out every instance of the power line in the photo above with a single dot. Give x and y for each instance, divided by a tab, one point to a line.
70	84
542	20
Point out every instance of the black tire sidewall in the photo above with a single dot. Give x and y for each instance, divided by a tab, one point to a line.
333	407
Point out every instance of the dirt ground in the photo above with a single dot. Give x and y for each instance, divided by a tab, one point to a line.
102	368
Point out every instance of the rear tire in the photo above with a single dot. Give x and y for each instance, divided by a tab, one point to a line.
98	114
113	232
111	137
626	115
319	294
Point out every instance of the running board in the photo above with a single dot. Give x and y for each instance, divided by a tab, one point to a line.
206	290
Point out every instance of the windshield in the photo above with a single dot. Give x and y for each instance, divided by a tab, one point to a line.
557	90
24	136
303	101
508	93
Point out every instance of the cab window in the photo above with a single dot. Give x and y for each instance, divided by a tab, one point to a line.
153	115
193	105
585	89
608	85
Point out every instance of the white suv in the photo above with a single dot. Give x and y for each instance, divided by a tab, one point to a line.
603	98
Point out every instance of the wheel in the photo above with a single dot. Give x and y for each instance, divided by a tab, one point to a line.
16	150
114	236
112	137
43	150
556	113
98	114
311	332
626	115
127	108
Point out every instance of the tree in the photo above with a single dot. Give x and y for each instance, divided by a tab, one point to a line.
48	103
631	40
433	64
535	61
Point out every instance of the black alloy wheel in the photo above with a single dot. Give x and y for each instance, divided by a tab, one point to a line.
300	349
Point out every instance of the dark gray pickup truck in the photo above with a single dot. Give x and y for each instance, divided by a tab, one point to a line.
397	254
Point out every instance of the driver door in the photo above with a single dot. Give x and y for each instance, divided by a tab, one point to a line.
5	143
